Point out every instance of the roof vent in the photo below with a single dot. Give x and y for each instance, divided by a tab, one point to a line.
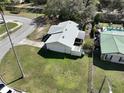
62	36
66	29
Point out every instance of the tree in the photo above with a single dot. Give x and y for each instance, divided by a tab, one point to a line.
6	1
71	9
38	2
112	4
89	43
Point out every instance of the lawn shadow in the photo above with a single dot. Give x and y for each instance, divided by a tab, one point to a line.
14	80
107	65
55	55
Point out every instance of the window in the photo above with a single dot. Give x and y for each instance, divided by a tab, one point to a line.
108	57
121	59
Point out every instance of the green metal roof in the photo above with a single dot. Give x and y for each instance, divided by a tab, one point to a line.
112	42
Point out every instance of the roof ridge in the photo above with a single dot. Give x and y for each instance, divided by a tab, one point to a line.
63	30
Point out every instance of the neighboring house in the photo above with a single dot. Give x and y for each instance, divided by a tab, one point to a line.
19	1
112	45
66	38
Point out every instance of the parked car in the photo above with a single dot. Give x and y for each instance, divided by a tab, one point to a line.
1	21
2	86
5	89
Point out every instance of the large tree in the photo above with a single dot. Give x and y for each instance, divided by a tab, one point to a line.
71	9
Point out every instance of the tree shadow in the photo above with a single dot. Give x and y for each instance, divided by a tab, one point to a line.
106	65
55	55
39	21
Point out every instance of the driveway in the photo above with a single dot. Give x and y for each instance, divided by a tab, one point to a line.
17	36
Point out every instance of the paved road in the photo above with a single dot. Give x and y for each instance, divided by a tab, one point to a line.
17	36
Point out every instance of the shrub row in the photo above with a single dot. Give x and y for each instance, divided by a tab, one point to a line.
107	18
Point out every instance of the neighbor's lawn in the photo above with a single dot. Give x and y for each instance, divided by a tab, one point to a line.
114	73
10	26
46	72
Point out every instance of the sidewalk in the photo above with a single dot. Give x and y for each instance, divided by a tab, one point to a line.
31	43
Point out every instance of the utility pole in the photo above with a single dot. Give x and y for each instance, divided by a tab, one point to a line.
7	30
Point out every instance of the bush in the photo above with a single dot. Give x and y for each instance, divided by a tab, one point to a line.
97	18
15	11
107	18
89	43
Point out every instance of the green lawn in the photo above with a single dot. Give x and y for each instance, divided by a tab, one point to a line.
46	71
114	73
10	26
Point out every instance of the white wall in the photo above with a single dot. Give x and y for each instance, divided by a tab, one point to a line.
113	58
76	53
58	47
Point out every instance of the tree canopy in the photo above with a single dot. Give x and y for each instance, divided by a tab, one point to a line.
6	1
38	2
78	10
112	4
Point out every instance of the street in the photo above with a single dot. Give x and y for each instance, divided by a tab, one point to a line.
26	29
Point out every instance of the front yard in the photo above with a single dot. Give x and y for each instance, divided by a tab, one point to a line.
46	72
51	72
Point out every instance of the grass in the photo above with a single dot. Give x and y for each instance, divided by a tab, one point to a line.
39	33
114	72
25	14
10	26
46	72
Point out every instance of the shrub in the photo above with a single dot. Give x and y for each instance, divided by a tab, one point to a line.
97	18
15	11
89	43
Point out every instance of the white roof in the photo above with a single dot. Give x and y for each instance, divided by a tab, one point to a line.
64	33
55	29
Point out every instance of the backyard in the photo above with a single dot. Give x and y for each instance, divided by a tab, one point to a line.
45	71
10	26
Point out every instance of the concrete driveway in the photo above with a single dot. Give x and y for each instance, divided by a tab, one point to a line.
17	36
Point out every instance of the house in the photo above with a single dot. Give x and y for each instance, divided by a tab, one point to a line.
66	38
19	1
112	45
